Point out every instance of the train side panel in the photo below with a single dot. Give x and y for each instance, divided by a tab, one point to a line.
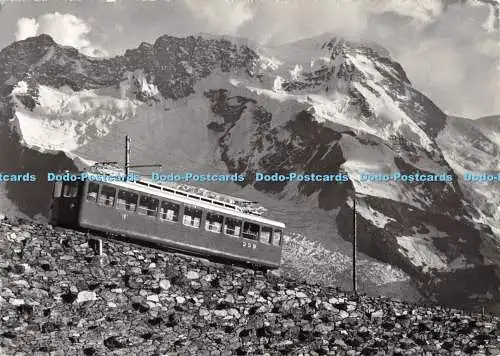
176	235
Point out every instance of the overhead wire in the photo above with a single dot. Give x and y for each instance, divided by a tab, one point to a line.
149	151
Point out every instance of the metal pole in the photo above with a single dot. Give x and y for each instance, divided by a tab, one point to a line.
127	154
354	242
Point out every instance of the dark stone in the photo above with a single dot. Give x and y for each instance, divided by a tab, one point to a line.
423	327
173	319
69	297
49	327
19	269
89	351
253	310
180	308
448	345
215	283
481	338
155	321
307	317
305	336
223	305
46	266
471	349
369	351
25	309
241	351
147	336
388	325
46	349
114	342
9	334
263	332
179	280
111	285
141	307
245	333
93	286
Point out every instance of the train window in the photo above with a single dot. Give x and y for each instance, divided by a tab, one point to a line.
265	234
107	196
277	237
232	227
70	190
57	189
148	206
192	217
92	191
169	211
214	222
127	200
250	230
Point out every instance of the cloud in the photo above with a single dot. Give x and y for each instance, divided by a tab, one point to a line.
65	29
223	17
282	21
26	28
455	61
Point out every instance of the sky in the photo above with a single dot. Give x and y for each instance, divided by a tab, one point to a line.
450	49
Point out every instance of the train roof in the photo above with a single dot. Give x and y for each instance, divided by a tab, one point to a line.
184	193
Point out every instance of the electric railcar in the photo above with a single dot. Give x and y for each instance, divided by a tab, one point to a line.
176	216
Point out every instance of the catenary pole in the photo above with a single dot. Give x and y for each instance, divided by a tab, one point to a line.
127	154
354	243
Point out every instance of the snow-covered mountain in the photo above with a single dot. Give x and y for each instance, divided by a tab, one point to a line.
474	146
322	105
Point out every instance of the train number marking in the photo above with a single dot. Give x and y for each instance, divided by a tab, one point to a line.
249	245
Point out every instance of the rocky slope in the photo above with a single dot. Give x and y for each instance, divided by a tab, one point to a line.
58	298
320	105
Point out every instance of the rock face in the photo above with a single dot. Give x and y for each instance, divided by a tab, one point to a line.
316	106
57	297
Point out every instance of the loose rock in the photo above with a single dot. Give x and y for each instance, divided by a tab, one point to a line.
54	297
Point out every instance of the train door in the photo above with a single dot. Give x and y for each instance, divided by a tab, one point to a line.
65	202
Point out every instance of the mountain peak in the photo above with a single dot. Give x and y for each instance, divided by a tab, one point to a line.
367	47
339	44
43	38
34	43
145	46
